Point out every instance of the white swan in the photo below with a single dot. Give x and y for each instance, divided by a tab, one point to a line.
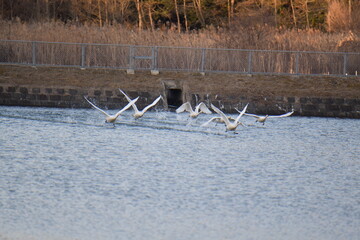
112	118
217	120
200	108
230	126
262	119
138	114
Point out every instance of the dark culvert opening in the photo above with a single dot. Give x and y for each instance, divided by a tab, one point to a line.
174	98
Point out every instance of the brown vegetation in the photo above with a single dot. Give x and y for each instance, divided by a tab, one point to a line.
185	15
260	38
264	38
343	16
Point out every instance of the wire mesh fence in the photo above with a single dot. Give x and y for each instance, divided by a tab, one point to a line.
179	58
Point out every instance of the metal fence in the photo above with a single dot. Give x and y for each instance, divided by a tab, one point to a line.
178	58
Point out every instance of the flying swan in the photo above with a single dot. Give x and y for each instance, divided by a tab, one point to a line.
112	118
200	108
217	120
230	126
138	114
262	119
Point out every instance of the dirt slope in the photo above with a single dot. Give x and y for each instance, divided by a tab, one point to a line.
214	83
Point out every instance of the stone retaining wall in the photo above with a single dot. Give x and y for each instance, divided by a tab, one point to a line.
113	99
303	106
66	97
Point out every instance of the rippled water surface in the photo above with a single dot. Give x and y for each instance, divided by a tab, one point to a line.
65	174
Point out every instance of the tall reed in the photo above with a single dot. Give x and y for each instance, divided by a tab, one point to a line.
259	38
262	37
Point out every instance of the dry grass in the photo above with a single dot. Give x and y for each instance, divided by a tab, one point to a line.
115	34
263	38
240	38
341	18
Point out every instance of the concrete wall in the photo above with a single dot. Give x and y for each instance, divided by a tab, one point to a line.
66	97
303	106
112	99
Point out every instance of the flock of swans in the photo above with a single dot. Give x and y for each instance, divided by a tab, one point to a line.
230	123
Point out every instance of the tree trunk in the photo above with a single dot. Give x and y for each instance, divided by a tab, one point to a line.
99	13
138	8
124	5
177	16
350	15
275	12
106	12
113	10
185	17
150	16
37	12
232	3
307	15
293	12
47	11
229	14
197	4
2	9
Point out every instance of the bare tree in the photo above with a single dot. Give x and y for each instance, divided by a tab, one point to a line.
122	7
275	12
185	17
150	9
307	14
37	10
199	12
99	13
106	7
139	13
177	16
293	12
230	10
350	15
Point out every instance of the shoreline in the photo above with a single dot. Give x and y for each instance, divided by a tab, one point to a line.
322	96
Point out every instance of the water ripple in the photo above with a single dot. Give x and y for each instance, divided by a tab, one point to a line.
65	174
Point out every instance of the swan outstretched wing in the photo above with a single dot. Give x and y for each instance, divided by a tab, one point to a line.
272	116
129	100
212	119
222	115
203	108
185	107
126	107
283	115
97	107
241	114
251	115
152	104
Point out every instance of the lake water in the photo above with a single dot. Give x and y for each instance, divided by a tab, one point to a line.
65	174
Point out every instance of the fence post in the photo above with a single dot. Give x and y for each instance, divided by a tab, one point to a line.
154	53
130	70
33	46
154	68
345	63
83	56
202	66
297	63
249	62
